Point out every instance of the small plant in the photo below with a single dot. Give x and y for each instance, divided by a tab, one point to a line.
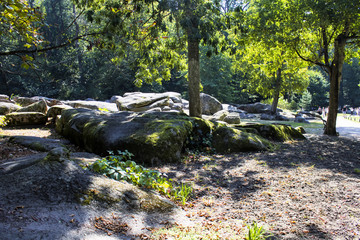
120	167
255	232
2	121
182	193
357	170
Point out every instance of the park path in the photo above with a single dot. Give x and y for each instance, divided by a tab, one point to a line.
348	128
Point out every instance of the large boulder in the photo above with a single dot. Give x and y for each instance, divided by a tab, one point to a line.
209	104
256	108
7	107
5	98
26	101
25	118
152	137
94	105
39	106
229	140
57	110
141	102
276	132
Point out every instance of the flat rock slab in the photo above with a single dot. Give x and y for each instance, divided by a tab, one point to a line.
60	200
21	163
39	144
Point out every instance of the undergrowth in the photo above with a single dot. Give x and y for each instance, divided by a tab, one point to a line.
120	167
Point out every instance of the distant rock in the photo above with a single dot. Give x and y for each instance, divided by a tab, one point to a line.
25	118
56	110
7	107
94	105
256	108
209	104
141	102
5	98
26	101
39	106
232	118
299	118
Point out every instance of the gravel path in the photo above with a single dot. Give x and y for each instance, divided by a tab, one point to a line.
348	128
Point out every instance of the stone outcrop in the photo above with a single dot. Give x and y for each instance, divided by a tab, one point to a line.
5	98
39	106
56	110
229	140
256	108
25	118
152	137
94	105
7	107
276	132
37	143
209	104
141	102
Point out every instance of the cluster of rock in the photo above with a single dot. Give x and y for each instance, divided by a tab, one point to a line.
153	126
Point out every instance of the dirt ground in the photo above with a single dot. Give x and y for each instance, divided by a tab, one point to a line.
302	190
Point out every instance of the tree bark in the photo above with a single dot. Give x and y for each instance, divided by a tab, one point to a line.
335	74
194	76
276	92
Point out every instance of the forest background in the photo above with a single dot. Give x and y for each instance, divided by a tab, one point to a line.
89	65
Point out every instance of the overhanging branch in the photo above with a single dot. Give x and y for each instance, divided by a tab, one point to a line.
36	50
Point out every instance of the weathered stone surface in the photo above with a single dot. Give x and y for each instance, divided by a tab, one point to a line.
11	166
152	137
275	132
56	110
6	107
39	106
220	115
228	140
25	118
300	119
140	102
5	98
94	105
232	118
301	129
26	101
265	116
37	143
256	108
209	104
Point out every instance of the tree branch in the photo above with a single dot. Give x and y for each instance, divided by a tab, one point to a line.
36	50
311	61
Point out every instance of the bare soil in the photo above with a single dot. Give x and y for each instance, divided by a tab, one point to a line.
302	190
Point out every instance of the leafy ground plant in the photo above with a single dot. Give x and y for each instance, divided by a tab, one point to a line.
120	167
256	232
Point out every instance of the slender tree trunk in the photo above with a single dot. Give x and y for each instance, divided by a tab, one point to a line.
335	74
194	76
276	92
79	53
3	81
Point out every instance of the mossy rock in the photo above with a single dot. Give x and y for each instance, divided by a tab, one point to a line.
276	132
229	140
25	118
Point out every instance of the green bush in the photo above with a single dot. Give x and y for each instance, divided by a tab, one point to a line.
120	167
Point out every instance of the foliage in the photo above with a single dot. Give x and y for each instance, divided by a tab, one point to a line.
255	232
283	103
305	101
2	121
120	167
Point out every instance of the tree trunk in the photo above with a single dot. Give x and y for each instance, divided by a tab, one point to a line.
79	53
194	76
335	74
276	92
